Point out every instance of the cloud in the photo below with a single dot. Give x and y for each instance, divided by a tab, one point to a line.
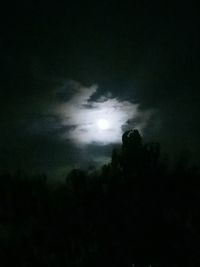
82	114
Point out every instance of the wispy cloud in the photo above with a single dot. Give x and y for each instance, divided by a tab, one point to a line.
83	114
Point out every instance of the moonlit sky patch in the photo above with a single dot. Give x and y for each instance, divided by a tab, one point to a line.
84	115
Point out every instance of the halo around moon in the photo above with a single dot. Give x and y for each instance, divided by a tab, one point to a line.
98	121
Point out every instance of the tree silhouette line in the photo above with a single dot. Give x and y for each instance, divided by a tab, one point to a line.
136	210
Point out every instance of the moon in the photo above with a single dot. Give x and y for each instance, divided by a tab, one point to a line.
103	124
96	121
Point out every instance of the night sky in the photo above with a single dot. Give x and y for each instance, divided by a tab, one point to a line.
66	66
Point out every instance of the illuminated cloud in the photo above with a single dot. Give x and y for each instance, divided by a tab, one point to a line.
100	121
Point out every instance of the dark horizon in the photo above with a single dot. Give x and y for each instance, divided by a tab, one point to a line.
136	211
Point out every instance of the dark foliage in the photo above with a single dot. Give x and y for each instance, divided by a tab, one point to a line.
135	210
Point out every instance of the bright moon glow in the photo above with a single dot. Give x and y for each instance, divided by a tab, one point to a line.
103	124
99	121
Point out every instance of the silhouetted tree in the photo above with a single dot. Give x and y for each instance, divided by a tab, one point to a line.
132	154
134	210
